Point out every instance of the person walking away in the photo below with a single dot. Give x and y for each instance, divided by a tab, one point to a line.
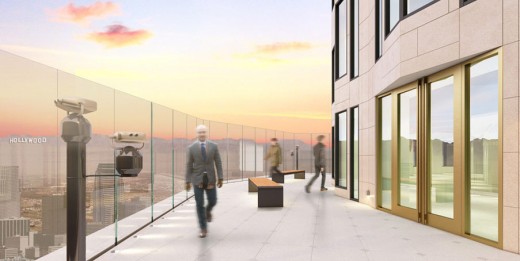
320	162
274	154
201	160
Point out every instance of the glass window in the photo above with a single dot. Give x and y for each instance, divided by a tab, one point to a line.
385	160
483	148
379	28
333	72
342	149
354	38
412	5
407	149
341	38
392	14
354	186
464	2
441	147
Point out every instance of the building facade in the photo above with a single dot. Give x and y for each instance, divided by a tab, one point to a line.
426	112
9	192
11	227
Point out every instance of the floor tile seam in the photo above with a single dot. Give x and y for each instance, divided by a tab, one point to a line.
272	232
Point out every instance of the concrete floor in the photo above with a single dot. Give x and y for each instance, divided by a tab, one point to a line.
315	226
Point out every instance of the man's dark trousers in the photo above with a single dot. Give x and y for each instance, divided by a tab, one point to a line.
199	199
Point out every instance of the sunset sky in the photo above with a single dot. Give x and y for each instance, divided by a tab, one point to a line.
263	63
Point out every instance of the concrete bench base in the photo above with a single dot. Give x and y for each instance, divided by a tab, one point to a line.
270	197
280	178
270	194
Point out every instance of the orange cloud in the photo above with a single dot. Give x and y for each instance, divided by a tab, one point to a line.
271	53
79	14
283	47
119	36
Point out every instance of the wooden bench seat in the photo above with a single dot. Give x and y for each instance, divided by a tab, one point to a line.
280	178
270	193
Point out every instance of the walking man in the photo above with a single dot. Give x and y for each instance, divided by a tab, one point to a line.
275	155
202	158
319	164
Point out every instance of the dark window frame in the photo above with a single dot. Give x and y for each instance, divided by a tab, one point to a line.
402	13
466	2
336	150
353	38
379	24
351	150
333	153
333	73
336	41
386	14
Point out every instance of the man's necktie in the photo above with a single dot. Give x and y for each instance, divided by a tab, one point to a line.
203	149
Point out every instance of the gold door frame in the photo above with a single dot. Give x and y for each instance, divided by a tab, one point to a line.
405	212
452	225
465	149
460	223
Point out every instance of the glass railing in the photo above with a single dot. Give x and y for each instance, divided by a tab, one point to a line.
33	160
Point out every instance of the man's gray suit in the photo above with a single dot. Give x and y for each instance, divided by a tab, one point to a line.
196	165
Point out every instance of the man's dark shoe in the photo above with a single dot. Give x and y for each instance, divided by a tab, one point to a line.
307	189
209	217
324	189
203	233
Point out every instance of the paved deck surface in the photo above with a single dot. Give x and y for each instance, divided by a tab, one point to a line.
315	226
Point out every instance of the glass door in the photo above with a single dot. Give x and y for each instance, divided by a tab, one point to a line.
405	167
440	150
443	151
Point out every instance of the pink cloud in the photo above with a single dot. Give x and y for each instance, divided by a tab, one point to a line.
119	35
80	14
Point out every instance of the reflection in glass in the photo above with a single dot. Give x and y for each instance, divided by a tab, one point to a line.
247	152
305	155
386	152
483	151
379	28
393	13
355	153
342	39
235	150
180	143
408	149
412	5
342	149
441	147
133	194
162	160
355	38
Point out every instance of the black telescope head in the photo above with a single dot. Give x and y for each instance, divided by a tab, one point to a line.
129	162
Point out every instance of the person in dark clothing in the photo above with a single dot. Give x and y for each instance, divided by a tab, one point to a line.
320	162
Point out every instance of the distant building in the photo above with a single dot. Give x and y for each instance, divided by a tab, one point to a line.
32	252
18	242
9	192
132	206
48	243
103	195
7	253
54	215
13	227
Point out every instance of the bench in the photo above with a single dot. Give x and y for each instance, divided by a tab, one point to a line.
279	178
270	193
